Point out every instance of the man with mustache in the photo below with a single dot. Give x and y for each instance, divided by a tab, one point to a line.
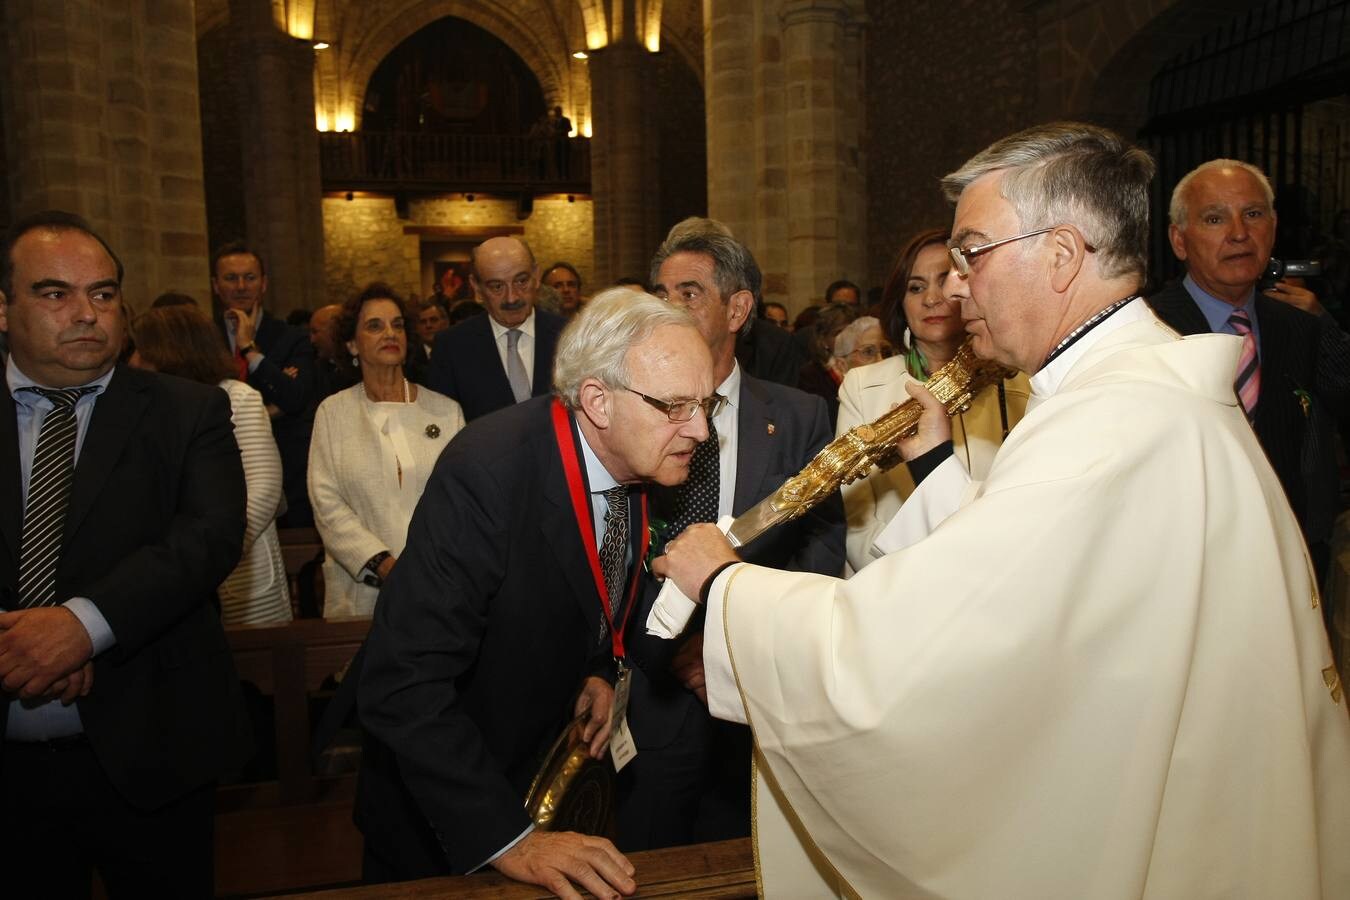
121	510
1296	380
493	361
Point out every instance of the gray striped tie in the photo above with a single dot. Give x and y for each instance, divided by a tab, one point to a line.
515	367
44	515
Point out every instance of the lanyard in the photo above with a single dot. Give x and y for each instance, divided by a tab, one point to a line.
581	506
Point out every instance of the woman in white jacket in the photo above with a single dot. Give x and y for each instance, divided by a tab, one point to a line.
926	329
373	449
179	340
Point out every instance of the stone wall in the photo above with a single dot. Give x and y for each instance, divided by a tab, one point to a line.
934	100
364	239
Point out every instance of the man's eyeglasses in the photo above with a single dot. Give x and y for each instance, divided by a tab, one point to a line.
961	256
683	410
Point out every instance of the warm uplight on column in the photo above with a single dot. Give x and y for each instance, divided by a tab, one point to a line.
346	121
320	120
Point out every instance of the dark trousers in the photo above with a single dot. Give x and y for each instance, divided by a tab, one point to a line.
63	819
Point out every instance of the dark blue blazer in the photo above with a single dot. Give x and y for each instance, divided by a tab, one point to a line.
465	364
1301	354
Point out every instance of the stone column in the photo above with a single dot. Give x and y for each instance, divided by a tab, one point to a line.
282	186
822	85
100	103
624	152
729	80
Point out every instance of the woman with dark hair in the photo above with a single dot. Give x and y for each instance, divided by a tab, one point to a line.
926	329
373	448
180	340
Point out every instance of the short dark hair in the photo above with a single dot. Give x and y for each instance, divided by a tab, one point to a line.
237	248
173	298
436	301
181	340
351	313
836	286
466	309
52	220
564	265
776	306
893	321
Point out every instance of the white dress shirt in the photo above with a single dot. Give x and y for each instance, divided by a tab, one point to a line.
524	345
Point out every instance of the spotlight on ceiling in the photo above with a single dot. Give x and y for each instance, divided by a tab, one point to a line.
581	54
321	45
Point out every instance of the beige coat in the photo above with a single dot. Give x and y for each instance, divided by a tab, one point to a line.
868	392
1105	676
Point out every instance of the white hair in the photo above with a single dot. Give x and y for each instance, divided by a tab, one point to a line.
1177	213
847	340
595	344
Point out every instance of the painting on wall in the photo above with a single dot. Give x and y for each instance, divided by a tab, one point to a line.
452	280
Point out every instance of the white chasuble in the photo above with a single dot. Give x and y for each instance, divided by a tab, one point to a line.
1102	677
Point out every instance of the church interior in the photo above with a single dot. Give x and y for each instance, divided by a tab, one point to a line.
360	141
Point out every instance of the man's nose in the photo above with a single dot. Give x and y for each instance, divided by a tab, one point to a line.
954	286
697	427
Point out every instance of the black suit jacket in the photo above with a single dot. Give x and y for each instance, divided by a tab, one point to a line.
1299	353
465	364
155	523
481	638
287	347
779	430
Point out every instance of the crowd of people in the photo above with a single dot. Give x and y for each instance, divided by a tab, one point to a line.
1084	613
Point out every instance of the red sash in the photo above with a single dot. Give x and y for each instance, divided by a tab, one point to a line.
570	451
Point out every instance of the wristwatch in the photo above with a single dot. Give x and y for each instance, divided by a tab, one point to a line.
372	568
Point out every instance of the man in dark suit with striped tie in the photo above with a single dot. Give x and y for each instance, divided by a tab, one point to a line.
121	509
1293	376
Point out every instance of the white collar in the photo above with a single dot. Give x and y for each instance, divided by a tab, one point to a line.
731	387
1048	380
597	476
498	329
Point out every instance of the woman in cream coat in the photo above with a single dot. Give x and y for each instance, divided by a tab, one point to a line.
927	330
374	446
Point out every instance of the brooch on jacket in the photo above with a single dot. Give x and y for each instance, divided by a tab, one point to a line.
433	431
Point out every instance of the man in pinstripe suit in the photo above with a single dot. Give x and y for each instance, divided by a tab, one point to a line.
1223	227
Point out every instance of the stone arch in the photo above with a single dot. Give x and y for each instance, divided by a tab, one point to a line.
682	29
364	44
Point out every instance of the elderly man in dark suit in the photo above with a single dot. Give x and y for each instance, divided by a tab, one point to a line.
489	362
521	567
1294	375
690	779
275	359
121	509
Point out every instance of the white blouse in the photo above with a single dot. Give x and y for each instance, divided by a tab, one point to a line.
255	593
368	465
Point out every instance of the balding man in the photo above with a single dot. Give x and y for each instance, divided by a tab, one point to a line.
491	362
505	614
323	337
1296	381
1105	674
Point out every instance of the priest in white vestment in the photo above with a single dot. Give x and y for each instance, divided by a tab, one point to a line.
1105	674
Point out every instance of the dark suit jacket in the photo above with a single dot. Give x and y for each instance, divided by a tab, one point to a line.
155	523
481	637
770	354
287	347
814	543
465	364
1299	353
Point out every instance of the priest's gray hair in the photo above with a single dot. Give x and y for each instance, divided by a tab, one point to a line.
1072	173
847	340
595	344
1178	214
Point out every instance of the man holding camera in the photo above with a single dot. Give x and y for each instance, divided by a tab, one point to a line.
1293	375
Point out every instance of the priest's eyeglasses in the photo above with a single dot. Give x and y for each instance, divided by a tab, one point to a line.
961	256
683	410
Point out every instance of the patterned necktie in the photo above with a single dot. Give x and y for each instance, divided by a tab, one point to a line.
614	547
515	366
1248	383
696	500
44	515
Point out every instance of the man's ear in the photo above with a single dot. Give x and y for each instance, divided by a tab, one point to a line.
594	402
740	306
262	292
1174	238
1070	253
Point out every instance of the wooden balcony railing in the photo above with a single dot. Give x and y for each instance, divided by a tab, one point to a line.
373	160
